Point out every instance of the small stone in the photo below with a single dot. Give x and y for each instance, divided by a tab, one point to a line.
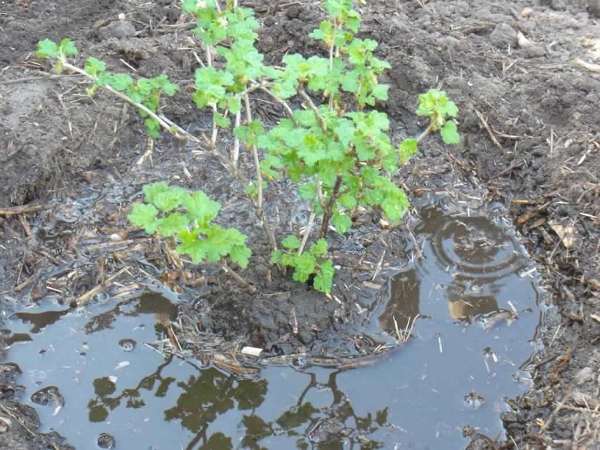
503	36
584	375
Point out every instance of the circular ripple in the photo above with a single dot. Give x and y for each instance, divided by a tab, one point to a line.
475	247
127	345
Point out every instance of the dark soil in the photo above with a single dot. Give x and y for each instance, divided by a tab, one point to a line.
530	143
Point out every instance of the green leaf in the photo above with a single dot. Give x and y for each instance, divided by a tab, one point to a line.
276	257
407	149
144	216
291	242
164	197
172	224
120	81
190	245
380	92
319	248
341	222
323	282
449	133
348	201
200	207
240	254
220	120
67	47
47	49
304	266
94	66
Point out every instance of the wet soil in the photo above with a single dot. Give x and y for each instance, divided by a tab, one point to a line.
531	148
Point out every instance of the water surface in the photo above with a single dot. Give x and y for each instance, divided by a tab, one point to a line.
97	376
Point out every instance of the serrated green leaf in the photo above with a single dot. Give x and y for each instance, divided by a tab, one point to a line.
291	242
407	149
166	198
190	245
341	222
240	254
47	49
276	257
319	248
67	47
94	66
200	207
172	224
220	120
380	92
348	201
144	216
449	133
120	81
323	281
304	266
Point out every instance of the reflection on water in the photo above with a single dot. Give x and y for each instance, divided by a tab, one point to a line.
120	392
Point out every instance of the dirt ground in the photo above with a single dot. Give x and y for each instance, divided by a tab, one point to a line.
524	74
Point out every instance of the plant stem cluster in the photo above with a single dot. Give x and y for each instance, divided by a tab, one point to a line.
334	145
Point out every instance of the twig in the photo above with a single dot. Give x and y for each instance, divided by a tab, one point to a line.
259	181
314	108
282	102
167	124
84	298
329	207
235	156
16	210
237	277
488	129
19	421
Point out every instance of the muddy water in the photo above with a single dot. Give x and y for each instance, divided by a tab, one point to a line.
94	377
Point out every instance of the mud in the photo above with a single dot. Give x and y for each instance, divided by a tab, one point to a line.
531	146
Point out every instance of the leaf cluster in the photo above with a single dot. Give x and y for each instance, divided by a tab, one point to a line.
311	264
187	217
143	91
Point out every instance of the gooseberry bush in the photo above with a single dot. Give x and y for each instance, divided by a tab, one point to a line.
333	143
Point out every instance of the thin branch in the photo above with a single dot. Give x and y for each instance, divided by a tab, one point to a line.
314	108
329	207
282	102
235	155
167	124
259	181
237	277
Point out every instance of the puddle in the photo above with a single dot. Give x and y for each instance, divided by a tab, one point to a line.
93	377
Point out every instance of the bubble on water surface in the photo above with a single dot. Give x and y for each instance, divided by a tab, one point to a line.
127	345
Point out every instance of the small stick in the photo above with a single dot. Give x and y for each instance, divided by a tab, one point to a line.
488	129
16	210
235	156
237	277
168	125
85	298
